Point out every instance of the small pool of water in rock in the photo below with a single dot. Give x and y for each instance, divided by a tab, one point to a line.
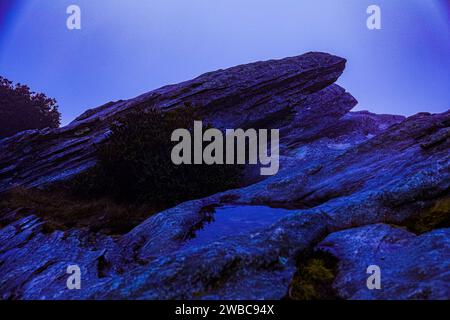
236	220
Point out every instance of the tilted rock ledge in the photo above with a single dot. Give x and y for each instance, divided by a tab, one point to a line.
349	183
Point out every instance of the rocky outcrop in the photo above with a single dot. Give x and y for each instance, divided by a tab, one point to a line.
342	174
411	266
283	93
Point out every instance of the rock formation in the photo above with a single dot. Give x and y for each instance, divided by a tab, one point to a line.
350	183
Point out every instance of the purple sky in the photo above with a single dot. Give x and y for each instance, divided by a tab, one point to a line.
126	48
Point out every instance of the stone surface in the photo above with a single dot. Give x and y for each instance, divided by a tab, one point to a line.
339	170
412	267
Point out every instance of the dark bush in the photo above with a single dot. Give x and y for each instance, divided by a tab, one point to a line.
135	165
21	109
314	278
435	216
134	178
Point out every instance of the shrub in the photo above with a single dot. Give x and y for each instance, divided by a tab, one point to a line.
314	277
435	216
134	178
21	109
135	164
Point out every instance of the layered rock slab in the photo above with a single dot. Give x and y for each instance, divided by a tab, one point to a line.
292	92
339	170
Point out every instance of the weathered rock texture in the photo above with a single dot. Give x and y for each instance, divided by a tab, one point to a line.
283	93
340	170
411	266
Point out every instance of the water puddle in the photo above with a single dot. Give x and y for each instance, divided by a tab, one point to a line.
235	220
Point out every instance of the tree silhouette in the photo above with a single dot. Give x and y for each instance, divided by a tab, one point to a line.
22	109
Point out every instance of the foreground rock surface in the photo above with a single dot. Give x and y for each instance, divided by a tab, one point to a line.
339	170
412	267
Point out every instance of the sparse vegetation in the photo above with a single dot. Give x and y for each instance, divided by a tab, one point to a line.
314	277
436	216
133	179
135	164
62	210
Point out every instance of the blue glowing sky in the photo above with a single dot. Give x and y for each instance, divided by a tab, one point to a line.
128	47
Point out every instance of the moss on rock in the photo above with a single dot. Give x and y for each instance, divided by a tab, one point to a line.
314	277
434	217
